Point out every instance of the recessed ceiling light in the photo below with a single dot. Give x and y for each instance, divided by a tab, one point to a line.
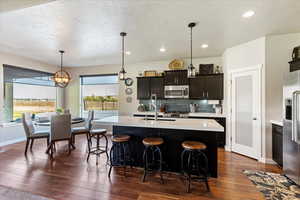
128	52
162	49
248	14
203	46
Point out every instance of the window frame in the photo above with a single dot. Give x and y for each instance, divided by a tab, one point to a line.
81	104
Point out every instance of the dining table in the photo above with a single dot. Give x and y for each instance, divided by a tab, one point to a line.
48	123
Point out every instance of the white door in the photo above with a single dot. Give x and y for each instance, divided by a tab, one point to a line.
246	112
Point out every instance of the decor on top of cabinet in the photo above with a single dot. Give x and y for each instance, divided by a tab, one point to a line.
128	81
150	73
218	70
206	68
296	53
176	64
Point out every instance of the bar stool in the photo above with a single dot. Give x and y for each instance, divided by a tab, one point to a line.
155	160
194	163
120	154
97	134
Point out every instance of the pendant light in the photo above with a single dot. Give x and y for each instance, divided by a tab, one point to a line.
61	77
191	69
122	72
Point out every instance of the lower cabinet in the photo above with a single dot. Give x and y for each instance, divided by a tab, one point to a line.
277	144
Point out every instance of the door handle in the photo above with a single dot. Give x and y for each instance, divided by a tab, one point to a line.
254	118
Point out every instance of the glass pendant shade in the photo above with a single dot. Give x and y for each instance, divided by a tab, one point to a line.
191	71
122	73
61	77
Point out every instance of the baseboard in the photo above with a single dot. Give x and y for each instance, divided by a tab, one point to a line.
227	148
12	141
267	161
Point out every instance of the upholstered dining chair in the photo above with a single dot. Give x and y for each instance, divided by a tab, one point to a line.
31	132
84	129
60	130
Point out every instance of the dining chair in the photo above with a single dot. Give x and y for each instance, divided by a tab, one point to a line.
60	130
84	129
31	132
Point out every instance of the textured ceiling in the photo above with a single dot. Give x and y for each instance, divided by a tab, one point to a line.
88	30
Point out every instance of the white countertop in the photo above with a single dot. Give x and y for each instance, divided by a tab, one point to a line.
148	113
196	114
179	123
277	122
201	114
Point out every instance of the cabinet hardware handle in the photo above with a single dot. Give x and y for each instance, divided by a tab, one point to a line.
207	94
203	94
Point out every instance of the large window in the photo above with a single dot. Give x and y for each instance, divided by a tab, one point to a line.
101	94
36	99
27	90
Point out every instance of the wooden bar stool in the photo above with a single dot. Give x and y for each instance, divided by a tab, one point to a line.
155	158
120	154
194	163
97	134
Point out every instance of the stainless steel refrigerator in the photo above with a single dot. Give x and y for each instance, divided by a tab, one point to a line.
291	126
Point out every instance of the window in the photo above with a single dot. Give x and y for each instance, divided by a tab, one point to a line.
101	94
27	90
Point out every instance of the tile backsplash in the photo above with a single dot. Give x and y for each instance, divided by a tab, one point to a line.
182	105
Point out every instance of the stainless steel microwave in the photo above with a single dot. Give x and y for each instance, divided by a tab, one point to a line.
177	92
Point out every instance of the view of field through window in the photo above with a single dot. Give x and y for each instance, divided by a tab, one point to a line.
100	93
33	98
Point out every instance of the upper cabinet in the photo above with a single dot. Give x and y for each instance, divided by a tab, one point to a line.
146	86
210	87
157	86
143	88
176	77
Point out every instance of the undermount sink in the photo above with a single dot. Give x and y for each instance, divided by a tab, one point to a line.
160	119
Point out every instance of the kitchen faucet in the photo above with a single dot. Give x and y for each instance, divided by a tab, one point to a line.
154	103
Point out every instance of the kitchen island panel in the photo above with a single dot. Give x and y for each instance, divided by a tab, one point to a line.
172	145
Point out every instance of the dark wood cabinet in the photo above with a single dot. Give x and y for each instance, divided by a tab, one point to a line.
176	77
143	88
209	87
197	88
146	86
157	87
277	144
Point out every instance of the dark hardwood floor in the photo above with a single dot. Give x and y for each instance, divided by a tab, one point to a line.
71	177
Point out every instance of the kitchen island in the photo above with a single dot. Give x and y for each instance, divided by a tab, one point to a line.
174	132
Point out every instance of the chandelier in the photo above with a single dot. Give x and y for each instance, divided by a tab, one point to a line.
61	77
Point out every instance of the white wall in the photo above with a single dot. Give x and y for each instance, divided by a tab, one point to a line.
242	56
279	50
72	92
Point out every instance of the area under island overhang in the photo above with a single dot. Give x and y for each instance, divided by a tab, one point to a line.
174	132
